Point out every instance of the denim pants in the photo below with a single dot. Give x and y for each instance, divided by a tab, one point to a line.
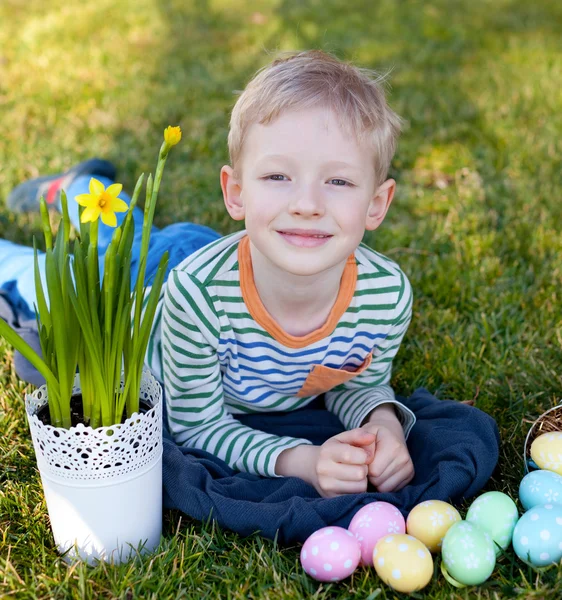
17	279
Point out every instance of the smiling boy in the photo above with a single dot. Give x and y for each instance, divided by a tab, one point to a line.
294	306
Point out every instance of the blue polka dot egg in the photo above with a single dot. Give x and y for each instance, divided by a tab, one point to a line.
540	487
537	537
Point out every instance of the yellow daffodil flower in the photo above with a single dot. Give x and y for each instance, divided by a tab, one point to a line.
172	135
101	201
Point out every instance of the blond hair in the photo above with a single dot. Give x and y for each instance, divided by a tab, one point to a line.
315	78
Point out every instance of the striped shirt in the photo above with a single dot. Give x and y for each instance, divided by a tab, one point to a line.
219	353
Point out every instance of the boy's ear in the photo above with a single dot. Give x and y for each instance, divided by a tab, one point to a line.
232	193
379	204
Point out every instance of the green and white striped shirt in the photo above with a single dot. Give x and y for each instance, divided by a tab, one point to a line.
219	353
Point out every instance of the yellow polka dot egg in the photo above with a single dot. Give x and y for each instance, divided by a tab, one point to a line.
430	521
546	451
403	562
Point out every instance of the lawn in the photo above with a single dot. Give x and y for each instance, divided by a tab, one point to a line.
475	225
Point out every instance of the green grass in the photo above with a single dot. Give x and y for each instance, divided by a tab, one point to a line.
475	225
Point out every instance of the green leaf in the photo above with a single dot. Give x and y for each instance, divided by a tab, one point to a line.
43	310
46	224
17	342
141	343
63	355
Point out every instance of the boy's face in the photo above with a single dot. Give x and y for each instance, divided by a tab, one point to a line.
306	190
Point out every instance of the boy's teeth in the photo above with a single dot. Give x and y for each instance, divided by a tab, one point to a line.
316	235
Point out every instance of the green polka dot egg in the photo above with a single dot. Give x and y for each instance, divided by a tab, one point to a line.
403	562
497	514
468	554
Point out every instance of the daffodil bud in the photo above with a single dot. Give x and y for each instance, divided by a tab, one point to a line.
172	135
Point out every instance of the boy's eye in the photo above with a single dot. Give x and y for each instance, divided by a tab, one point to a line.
340	182
336	181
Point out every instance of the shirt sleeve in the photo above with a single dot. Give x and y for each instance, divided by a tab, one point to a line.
197	416
351	402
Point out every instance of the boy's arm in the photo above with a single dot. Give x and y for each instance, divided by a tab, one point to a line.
197	416
354	402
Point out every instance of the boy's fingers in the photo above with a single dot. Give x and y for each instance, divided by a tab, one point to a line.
369	453
384	464
394	472
360	439
345	472
348	454
356	437
338	488
403	483
395	467
394	483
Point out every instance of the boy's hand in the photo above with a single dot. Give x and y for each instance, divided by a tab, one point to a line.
376	452
343	463
391	468
337	467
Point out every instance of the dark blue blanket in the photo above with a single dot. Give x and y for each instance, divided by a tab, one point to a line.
454	448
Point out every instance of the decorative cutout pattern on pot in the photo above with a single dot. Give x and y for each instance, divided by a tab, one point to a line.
81	452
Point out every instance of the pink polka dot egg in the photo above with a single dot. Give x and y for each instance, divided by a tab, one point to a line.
371	523
330	554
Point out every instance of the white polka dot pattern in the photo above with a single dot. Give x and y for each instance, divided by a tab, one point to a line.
496	514
468	554
537	537
330	554
403	563
429	521
539	487
371	523
546	451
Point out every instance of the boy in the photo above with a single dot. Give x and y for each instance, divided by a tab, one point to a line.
269	318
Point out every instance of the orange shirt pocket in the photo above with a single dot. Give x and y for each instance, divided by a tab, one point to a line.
322	379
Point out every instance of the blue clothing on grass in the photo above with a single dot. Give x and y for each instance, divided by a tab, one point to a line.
454	447
17	275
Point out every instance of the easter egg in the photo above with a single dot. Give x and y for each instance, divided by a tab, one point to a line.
540	487
403	562
330	554
429	521
497	514
468	553
371	523
546	451
537	537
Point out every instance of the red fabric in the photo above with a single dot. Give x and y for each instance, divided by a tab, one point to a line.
53	189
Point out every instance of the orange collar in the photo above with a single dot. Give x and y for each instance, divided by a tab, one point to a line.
263	318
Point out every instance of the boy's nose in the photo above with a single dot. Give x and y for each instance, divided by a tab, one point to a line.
307	202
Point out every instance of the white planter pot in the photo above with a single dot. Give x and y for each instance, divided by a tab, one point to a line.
103	486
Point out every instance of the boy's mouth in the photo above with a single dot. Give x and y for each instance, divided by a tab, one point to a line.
305	238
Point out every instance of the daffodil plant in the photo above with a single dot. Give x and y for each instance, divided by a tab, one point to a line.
100	328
